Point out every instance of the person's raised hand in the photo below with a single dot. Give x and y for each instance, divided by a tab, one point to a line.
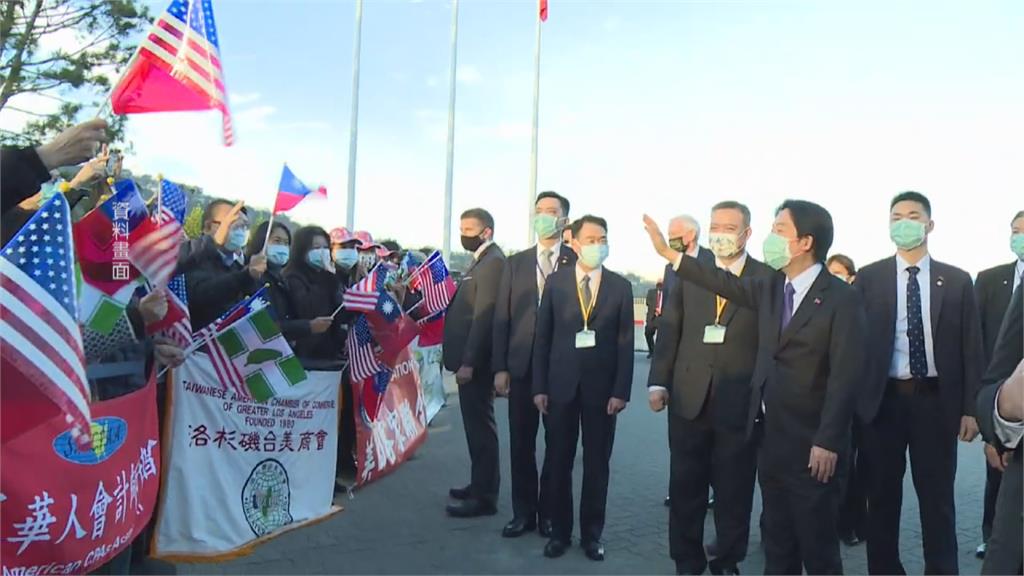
221	235
74	145
257	266
658	239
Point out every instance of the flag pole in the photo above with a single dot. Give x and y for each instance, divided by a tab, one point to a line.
536	115
447	244
159	193
350	215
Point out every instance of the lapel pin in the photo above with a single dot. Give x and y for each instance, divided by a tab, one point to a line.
939	281
817	300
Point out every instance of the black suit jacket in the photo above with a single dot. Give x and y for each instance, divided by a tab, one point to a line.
469	322
652	304
956	336
689	368
806	375
992	291
1006	355
515	312
561	370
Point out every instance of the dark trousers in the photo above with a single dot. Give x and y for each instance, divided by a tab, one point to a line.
1004	554
913	421
565	420
529	494
800	513
476	402
703	456
853	508
346	428
650	330
993	477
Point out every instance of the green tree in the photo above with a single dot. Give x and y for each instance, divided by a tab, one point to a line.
103	30
194	222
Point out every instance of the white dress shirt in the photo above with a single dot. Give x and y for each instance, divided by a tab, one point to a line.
1009	433
556	251
802	284
1017	273
899	368
480	250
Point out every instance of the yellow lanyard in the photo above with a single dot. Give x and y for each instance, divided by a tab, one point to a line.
720	302
586	312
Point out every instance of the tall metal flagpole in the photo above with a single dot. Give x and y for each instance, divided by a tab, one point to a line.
536	117
353	137
447	249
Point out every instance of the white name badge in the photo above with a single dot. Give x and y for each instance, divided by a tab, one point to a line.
714	334
586	339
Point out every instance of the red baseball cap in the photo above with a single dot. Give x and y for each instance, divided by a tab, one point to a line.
365	239
342	236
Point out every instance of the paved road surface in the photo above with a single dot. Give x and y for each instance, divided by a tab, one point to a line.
398	524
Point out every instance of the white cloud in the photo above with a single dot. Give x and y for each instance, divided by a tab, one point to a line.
467	75
240	98
433	81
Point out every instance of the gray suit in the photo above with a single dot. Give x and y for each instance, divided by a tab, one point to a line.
467	342
1004	550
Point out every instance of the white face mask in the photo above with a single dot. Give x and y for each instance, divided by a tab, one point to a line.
724	244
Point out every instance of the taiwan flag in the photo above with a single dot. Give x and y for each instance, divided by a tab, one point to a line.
292	191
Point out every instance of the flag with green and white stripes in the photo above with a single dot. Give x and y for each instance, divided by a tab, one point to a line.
252	352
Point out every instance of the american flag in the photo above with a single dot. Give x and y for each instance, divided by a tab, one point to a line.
362	353
184	44
176	324
154	250
435	283
38	313
227	372
363	296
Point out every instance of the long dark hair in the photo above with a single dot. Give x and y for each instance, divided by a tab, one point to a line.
301	244
259	236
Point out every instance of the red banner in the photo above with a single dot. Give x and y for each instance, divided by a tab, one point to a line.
400	427
68	510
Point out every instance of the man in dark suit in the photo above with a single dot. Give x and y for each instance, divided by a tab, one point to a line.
811	340
582	373
924	363
992	289
515	318
654	304
468	330
1000	409
705	381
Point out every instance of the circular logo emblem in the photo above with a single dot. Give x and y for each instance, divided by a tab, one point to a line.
266	498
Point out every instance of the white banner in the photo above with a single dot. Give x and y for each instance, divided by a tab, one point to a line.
239	472
431	380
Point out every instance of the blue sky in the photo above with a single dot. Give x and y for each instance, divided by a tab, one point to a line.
660	107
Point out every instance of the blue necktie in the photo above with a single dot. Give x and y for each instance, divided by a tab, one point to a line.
787	304
915	326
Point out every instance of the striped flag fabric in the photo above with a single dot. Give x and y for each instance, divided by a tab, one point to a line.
256	301
177	67
362	350
155	248
39	332
542	7
364	295
176	324
434	282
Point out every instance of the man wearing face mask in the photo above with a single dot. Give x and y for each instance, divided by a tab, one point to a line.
703	364
925	362
993	289
582	374
683	237
515	317
220	277
467	351
811	341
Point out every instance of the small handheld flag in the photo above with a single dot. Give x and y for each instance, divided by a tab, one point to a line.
291	191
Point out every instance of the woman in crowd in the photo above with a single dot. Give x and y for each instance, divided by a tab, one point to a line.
278	253
315	291
842	267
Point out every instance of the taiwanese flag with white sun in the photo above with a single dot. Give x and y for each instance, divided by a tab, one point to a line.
177	67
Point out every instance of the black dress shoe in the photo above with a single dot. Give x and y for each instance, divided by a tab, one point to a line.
594	551
460	493
850	539
545	528
555	548
471	509
517	527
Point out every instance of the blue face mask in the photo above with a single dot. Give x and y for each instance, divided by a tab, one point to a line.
277	254
346	257
318	258
594	255
236	239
